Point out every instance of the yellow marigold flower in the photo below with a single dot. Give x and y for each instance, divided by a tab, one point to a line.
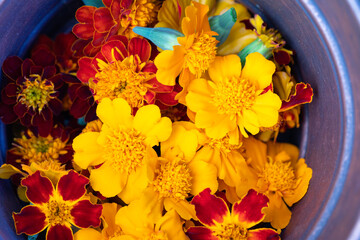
195	52
276	171
178	175
123	147
234	99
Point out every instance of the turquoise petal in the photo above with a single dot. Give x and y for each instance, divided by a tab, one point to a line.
94	3
222	24
164	38
256	46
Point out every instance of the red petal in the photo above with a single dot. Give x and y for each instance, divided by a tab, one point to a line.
72	186
115	9
150	97
83	92
249	209
120	51
103	20
86	214
121	38
43	57
91	114
31	220
79	108
200	233
78	47
99	38
84	30
140	47
268	88
86	71
91	50
7	114
12	67
209	208
59	232
303	94
39	188
94	62
149	67
85	14
167	98
107	3
263	233
25	67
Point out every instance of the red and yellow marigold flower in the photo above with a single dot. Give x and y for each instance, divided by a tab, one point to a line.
220	224
234	99
123	147
56	208
117	17
124	69
276	171
195	52
31	95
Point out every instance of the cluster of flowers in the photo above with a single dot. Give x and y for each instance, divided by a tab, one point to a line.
153	119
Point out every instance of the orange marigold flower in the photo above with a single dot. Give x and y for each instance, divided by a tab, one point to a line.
56	208
219	223
124	69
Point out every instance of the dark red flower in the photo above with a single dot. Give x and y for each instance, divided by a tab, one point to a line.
34	91
56	208
125	69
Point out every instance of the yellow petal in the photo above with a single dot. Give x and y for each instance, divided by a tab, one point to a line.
204	175
136	184
182	207
279	217
169	64
7	170
107	180
225	67
267	107
171	224
114	113
87	151
87	234
222	124
250	121
258	70
199	96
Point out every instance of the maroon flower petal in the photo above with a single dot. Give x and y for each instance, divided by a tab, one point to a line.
140	47
12	67
79	108
91	114
282	57
103	20
263	233
38	188
59	232
43	57
10	90
91	50
86	71
36	70
49	71
44	126
31	220
303	94
86	214
7	114
26	120
249	208
25	67
20	109
83	92
99	38
149	67
167	98
200	233
55	106
209	208
72	186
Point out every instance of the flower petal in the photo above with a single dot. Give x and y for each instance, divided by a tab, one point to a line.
249	209
258	70
12	67
225	68
140	47
103	20
59	232
72	186
31	220
87	234
303	94
263	233
200	233
86	214
209	208
86	71
204	175
39	188
114	113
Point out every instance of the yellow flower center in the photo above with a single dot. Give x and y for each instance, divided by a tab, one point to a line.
201	54
126	150
159	235
173	181
51	165
122	79
39	149
93	126
233	95
223	144
279	176
229	231
144	12
57	212
36	93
